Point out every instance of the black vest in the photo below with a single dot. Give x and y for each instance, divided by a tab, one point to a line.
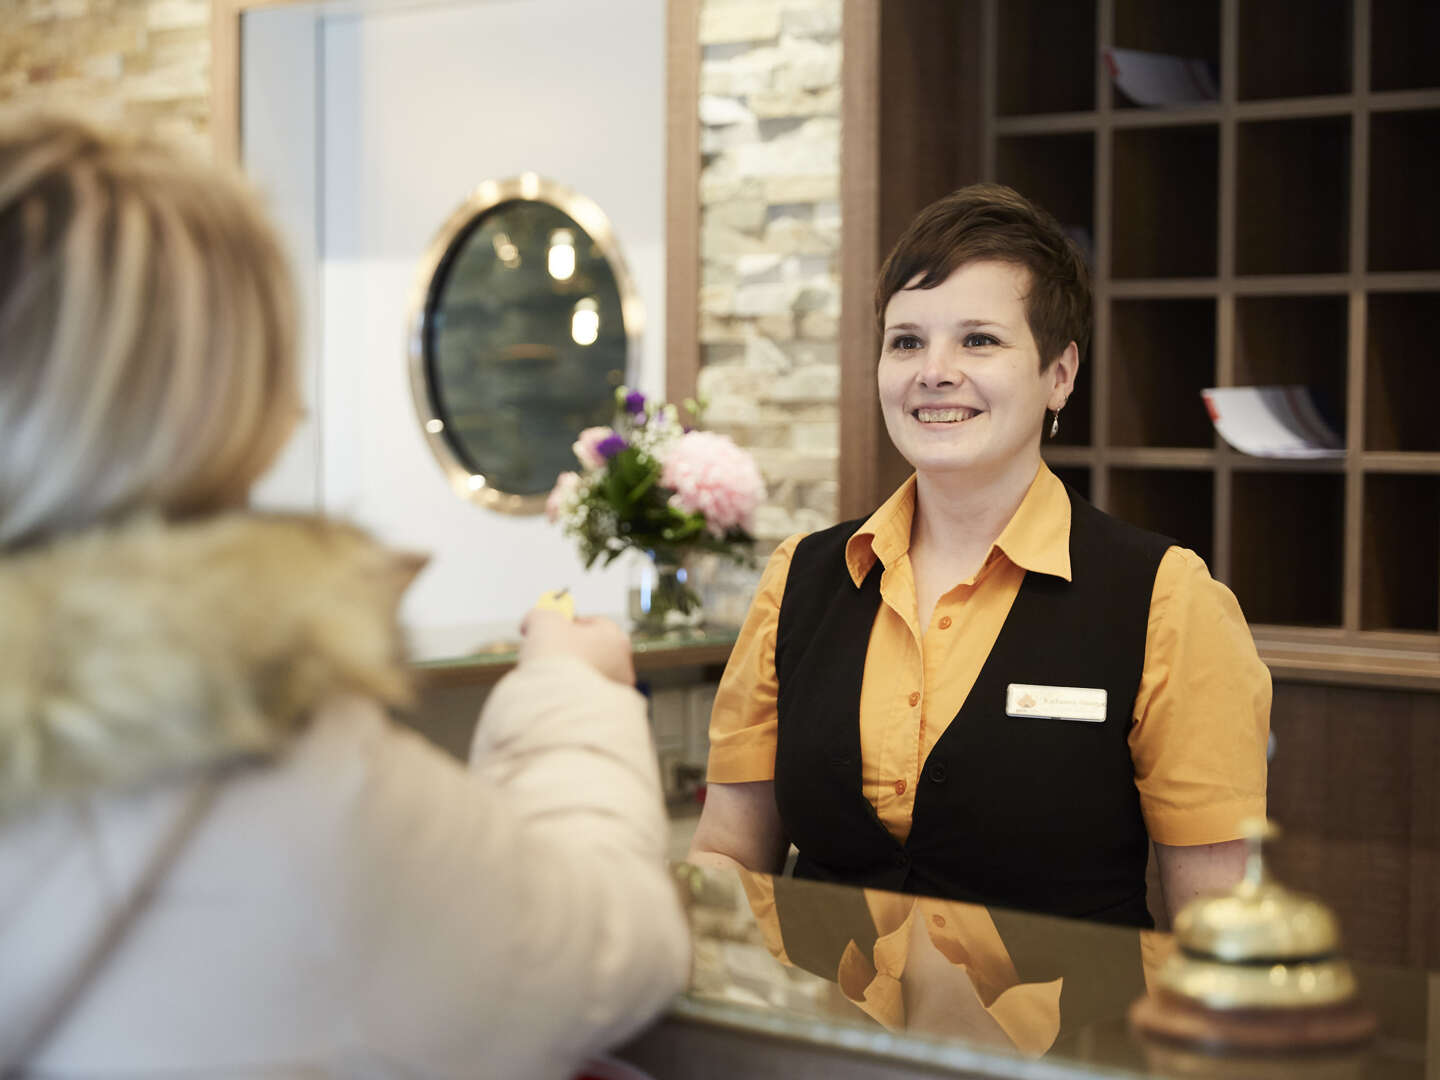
1034	814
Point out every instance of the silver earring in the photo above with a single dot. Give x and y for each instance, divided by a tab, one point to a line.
1055	424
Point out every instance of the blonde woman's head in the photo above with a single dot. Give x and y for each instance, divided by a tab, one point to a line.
147	331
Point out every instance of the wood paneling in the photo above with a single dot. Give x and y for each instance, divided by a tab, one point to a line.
861	429
1352	785
225	79
682	200
911	75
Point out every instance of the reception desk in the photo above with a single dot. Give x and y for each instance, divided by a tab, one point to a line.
1352	781
798	979
678	670
481	656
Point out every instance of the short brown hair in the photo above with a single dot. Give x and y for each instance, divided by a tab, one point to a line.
991	221
147	330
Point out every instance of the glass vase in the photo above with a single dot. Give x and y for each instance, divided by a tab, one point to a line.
662	596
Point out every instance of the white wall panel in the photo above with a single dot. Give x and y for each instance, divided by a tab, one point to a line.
416	106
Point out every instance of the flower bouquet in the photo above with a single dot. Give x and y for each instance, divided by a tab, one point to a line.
649	484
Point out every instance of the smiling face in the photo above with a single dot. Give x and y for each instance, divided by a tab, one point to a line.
960	379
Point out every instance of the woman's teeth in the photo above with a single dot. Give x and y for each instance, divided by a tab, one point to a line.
944	416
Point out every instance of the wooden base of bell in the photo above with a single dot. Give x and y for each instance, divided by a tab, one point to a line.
1174	1019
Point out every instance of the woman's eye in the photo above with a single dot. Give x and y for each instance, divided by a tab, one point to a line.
905	343
979	341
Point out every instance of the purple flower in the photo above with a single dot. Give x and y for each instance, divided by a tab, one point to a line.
607	448
586	446
635	403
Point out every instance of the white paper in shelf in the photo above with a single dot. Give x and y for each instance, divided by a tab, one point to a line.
1271	421
1154	79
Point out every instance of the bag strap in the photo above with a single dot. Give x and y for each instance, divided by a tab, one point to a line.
197	803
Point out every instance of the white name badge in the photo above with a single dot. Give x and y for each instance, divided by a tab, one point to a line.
1055	702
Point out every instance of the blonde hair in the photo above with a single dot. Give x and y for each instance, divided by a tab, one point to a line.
147	331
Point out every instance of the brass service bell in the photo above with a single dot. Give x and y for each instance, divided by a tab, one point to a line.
1256	968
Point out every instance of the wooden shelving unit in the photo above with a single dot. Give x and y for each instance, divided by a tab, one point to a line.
1287	233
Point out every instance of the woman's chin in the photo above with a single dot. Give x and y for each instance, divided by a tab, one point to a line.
944	464
949	449
980	462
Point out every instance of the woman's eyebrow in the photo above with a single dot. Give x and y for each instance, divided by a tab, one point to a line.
965	324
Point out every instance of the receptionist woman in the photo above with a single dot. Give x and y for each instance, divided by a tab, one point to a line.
988	690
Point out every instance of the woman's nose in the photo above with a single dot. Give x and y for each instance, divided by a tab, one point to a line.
939	369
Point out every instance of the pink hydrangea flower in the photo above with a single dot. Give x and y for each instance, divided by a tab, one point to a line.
587	446
566	485
710	475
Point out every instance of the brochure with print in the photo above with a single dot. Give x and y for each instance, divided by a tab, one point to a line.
1272	421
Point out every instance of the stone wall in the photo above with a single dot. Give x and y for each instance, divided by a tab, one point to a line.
769	246
143	60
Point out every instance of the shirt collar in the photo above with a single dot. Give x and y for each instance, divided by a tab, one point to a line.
1037	537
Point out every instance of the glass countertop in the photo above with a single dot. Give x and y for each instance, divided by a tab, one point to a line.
981	991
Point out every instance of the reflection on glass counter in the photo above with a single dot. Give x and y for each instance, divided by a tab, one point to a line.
949	987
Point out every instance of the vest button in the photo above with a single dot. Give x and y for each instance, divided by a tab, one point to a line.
938	920
901	859
839	761
937	773
944	622
914	698
899	787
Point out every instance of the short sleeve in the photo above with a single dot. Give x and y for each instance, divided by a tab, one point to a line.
1202	713
742	723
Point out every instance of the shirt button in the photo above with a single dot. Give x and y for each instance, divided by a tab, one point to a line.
944	622
899	787
915	699
938	920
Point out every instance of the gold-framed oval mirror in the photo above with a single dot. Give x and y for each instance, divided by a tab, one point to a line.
524	320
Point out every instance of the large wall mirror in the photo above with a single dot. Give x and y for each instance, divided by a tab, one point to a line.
524	321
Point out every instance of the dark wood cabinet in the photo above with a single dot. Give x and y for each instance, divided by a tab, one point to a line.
1288	232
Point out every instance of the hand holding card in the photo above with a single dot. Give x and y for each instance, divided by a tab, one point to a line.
559	600
552	628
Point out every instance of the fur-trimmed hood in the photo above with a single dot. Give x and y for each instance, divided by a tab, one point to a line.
151	647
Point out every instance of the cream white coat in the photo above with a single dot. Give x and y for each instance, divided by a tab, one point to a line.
355	902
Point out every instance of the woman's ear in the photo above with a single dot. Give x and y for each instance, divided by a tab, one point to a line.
1063	371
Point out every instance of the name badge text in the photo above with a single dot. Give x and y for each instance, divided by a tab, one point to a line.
1056	702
